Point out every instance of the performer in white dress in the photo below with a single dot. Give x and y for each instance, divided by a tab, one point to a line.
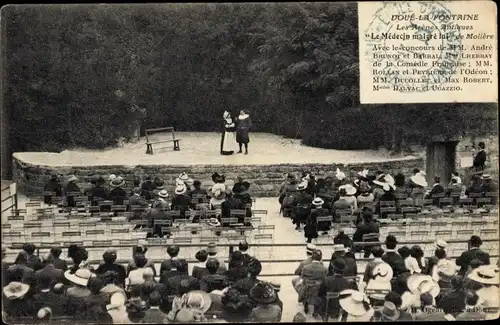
228	141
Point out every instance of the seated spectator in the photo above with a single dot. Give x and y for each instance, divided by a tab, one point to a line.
158	211
388	196
415	262
455	297
487	276
468	283
355	306
437	188
58	263
320	211
181	201
117	194
236	306
117	310
310	248
71	187
392	258
378	252
243	248
154	315
366	197
277	288
173	283
135	277
395	298
454	190
159	186
33	261
212	254
231	203
473	309
110	282
332	283
78	291
427	311
474	252
343	239
400	184
237	270
174	271
136	200
136	310
241	193
147	188
140	249
199	191
217	196
340	252
200	269
213	281
16	303
244	285
475	186
95	285
488	186
301	205
49	271
53	186
99	192
312	275
19	269
443	271
264	296
109	258
173	254
439	253
367	226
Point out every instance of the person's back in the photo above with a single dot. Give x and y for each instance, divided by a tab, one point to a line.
117	195
54	186
48	298
109	258
213	281
270	313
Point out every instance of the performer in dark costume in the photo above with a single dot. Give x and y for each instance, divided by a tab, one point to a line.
228	141
242	130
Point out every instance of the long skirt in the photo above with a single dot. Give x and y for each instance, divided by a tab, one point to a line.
228	143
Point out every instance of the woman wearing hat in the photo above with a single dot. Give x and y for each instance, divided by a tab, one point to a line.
117	194
15	301
419	183
287	195
355	306
71	187
379	284
301	205
366	197
228	140
264	295
350	192
487	275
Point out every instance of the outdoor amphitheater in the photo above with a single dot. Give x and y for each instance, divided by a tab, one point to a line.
272	238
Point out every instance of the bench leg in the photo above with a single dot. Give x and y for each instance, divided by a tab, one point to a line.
149	149
176	146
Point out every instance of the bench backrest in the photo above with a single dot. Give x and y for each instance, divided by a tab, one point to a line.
167	129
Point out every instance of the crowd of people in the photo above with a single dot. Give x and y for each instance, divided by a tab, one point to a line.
150	201
311	197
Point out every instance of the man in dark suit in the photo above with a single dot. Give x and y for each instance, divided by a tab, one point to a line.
229	204
56	261
212	255
117	194
33	260
46	297
301	200
243	248
49	271
367	226
99	192
173	253
479	158
181	201
474	252
136	200
312	275
173	283
437	188
147	188
19	269
333	283
213	281
339	253
392	257
109	258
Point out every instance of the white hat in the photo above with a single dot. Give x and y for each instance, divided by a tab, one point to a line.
225	115
441	244
111	177
339	248
339	175
15	290
419	180
354	302
213	222
349	189
72	178
117	182
446	267
420	283
363	173
457	178
302	186
163	194
318	201
484	274
183	177
383	272
116	300
80	277
180	189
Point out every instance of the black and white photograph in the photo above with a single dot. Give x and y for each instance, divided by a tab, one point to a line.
249	162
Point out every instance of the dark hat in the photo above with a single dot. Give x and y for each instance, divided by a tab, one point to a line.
254	266
29	248
109	254
263	293
173	250
367	214
212	247
475	241
391	239
201	255
339	266
243	246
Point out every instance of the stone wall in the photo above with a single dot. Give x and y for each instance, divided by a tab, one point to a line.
265	179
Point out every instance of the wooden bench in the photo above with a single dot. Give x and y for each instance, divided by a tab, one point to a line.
149	144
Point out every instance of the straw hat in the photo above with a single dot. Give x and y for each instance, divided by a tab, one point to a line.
15	290
163	194
302	186
382	272
339	174
180	189
318	201
72	178
198	299
263	293
117	182
80	277
310	248
389	311
116	300
486	177
364	173
419	179
484	274
442	244
420	283
111	177
214	222
339	248
355	303
349	189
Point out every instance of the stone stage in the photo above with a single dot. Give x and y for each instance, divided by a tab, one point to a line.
270	158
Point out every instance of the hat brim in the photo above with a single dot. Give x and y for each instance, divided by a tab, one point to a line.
16	295
419	181
181	192
474	275
391	318
73	178
75	279
117	185
415	280
351	306
207	300
261	300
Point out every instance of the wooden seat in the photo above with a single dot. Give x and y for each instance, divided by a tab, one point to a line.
150	143
387	203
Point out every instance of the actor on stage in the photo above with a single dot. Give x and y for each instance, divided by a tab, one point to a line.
228	143
244	125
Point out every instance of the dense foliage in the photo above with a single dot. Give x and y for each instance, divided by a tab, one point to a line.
80	75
